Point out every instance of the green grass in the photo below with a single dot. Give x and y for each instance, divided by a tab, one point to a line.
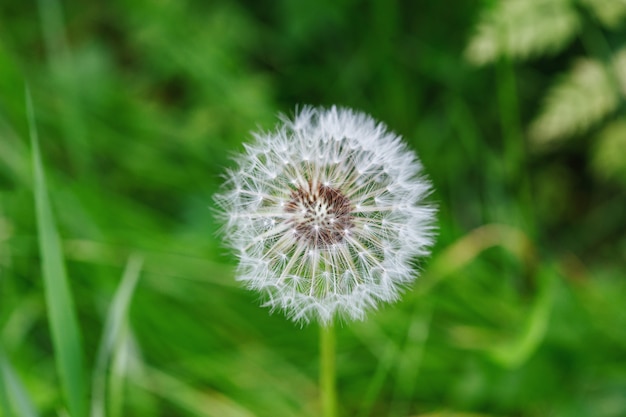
117	298
115	330
63	323
14	398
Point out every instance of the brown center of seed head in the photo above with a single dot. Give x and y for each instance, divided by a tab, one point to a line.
320	214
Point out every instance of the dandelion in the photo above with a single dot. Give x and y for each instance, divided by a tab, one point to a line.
326	215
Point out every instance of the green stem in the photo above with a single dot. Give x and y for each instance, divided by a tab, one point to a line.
515	161
328	386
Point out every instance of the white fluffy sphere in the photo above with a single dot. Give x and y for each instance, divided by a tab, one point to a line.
326	215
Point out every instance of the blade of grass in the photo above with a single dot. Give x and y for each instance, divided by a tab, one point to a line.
113	331
13	396
4	397
515	166
120	363
467	248
60	305
409	360
206	403
383	348
517	351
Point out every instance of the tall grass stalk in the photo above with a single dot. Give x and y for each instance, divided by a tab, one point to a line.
14	400
515	158
114	330
59	302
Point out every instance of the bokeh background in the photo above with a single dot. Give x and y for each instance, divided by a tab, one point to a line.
516	108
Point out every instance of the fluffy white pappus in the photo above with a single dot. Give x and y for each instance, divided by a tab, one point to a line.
327	215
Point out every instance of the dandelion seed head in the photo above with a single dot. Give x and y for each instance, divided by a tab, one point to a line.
326	215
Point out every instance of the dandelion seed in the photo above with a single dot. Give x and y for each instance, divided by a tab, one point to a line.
336	226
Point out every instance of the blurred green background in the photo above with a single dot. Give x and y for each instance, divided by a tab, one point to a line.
516	108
